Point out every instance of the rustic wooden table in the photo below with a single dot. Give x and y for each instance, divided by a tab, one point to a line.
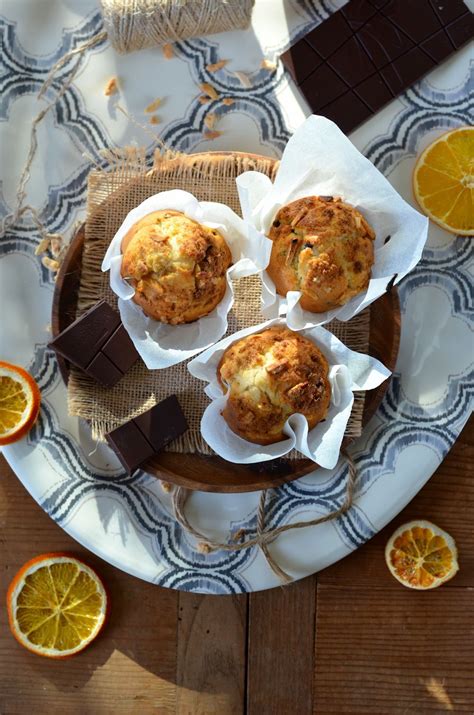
349	640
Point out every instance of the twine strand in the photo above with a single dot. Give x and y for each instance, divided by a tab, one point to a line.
263	537
10	219
135	24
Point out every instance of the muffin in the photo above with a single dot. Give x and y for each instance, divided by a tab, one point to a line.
322	247
270	376
176	265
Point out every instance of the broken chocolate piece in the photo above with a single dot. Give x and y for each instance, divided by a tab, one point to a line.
370	51
98	344
130	446
142	437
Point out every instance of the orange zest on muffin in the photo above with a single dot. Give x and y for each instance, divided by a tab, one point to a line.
176	265
270	376
322	247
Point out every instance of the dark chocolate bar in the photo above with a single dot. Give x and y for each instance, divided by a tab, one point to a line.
142	437
369	51
98	344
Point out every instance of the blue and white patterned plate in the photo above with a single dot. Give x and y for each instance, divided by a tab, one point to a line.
127	520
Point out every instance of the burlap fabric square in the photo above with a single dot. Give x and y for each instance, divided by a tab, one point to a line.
112	193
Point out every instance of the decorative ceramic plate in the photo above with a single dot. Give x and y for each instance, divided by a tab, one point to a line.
128	520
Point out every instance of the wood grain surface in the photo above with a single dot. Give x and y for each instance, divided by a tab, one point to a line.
349	640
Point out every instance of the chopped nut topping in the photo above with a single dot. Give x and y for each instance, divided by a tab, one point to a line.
50	264
57	245
216	66
111	87
276	368
268	65
298	217
210	120
209	90
292	249
212	135
153	106
42	246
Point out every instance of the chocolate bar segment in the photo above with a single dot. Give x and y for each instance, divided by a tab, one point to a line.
142	437
130	446
98	344
81	340
370	51
163	423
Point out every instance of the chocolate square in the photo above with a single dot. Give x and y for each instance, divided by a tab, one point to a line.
383	41
448	10
419	24
357	13
130	446
406	69
322	87
374	92
331	34
346	109
103	370
438	46
351	63
81	340
461	30
162	423
301	60
120	350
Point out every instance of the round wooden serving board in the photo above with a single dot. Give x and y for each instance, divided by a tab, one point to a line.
212	473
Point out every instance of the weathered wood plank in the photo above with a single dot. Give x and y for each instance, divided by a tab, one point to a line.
211	654
281	649
392	652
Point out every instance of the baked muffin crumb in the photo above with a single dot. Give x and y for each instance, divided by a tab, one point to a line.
322	247
270	376
176	265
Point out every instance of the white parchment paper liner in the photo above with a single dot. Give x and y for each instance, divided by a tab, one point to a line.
348	371
319	160
161	345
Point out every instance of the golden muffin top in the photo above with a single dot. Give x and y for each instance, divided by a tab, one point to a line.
270	376
176	265
322	247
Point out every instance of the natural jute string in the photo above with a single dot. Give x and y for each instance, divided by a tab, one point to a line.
20	196
131	25
263	537
136	24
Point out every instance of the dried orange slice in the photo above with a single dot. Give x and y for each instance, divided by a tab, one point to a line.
19	402
443	181
57	605
421	555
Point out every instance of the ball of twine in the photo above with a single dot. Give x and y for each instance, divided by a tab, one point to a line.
136	24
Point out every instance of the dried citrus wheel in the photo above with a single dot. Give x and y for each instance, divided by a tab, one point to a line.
421	555
56	605
19	402
443	181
